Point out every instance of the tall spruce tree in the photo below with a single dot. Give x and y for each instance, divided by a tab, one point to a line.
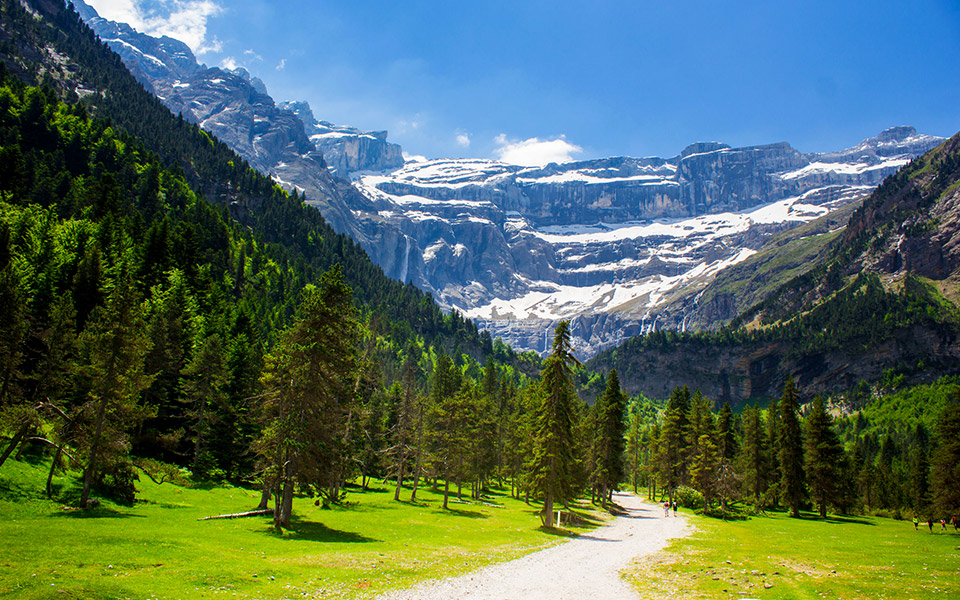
790	456
311	374
751	460
672	445
553	455
946	459
824	455
115	346
609	438
705	461
726	433
634	450
920	471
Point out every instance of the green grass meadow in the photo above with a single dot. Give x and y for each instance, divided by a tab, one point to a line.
158	549
776	557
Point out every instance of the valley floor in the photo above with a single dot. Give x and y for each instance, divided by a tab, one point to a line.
586	567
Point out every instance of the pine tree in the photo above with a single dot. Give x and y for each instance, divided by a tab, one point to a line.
553	455
203	384
311	374
946	459
772	455
609	438
672	445
115	345
824	455
751	459
706	459
920	471
790	442
634	451
727	436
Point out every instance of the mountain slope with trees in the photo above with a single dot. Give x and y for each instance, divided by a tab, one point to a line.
167	307
882	295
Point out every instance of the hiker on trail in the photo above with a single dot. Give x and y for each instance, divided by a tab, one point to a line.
930	524
916	523
666	509
674	508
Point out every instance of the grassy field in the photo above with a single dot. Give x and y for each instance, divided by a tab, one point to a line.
158	549
778	557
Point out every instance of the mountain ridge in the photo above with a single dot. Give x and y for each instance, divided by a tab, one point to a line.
880	296
603	242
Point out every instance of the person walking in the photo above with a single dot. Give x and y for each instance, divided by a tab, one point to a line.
666	509
930	523
916	523
674	508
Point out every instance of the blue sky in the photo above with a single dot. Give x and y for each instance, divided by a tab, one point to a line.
587	79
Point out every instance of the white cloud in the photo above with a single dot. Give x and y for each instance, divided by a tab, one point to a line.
229	63
463	139
282	64
534	152
253	55
185	20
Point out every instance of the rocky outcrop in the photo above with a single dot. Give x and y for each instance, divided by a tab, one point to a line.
347	149
742	373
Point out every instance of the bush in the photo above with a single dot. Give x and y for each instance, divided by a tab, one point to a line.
688	497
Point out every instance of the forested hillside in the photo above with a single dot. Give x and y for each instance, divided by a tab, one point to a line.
60	51
166	307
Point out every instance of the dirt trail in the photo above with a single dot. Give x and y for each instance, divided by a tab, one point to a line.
585	567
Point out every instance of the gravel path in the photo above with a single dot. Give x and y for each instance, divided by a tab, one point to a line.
585	567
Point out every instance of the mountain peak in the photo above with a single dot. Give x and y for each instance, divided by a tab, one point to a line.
702	147
896	134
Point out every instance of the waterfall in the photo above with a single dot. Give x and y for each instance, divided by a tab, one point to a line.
406	260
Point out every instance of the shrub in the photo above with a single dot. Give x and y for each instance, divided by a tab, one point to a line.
688	497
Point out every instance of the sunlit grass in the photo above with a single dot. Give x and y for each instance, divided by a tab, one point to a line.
855	558
158	548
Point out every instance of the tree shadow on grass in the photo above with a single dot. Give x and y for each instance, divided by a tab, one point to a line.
94	513
459	512
844	519
318	532
557	532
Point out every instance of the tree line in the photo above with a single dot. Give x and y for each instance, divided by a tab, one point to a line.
795	457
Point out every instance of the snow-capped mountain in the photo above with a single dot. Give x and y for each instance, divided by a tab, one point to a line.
608	242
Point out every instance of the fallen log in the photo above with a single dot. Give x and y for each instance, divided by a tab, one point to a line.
249	513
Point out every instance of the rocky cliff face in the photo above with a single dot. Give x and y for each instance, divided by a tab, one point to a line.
347	149
614	244
609	243
905	236
739	374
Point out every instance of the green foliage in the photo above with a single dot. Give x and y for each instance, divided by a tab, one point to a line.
688	497
554	456
823	457
946	460
790	451
608	438
309	378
